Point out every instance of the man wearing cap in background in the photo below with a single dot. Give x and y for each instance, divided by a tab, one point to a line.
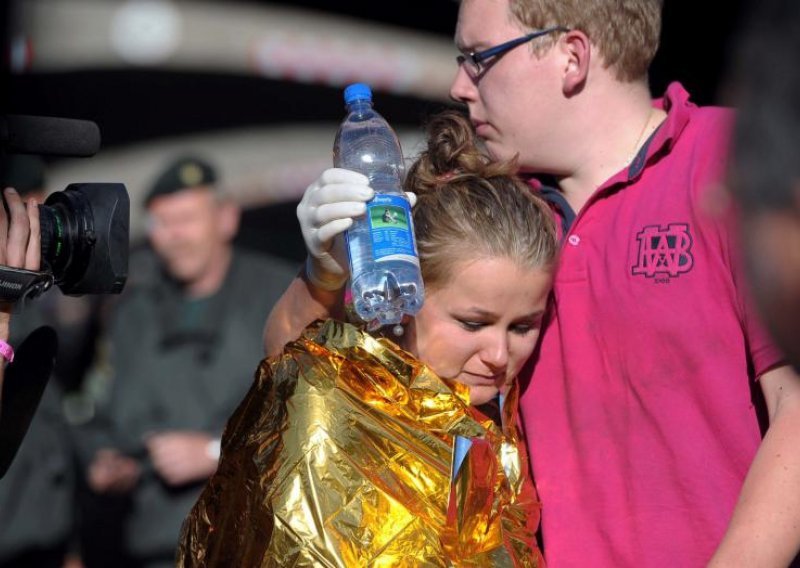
183	343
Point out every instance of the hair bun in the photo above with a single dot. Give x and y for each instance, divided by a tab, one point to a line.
452	153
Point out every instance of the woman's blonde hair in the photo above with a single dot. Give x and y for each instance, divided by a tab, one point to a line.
470	207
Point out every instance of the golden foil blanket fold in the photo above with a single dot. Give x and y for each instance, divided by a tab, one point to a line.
341	454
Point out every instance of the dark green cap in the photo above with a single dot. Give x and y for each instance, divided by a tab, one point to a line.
184	173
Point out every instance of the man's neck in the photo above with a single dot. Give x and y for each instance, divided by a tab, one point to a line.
613	127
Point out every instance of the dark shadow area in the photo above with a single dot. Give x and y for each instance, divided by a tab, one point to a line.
274	230
695	49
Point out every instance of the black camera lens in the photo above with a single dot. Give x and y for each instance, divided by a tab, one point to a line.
85	237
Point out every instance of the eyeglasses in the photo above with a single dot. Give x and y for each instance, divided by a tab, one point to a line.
475	59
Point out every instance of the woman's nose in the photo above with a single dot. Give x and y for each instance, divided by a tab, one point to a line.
495	352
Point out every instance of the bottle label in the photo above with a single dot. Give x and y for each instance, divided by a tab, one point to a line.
391	228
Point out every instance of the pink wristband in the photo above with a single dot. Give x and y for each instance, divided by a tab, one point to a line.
6	351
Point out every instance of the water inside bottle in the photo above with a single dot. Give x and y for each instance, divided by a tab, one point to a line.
385	303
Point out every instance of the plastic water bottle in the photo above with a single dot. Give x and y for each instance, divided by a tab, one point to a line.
385	279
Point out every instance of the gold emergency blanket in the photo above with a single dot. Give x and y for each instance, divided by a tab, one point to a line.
342	455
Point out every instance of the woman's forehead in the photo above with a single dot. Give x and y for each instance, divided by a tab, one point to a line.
491	284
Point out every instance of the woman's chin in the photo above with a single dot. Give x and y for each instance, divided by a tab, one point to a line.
481	395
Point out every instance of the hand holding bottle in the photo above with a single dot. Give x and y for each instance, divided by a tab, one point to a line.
325	212
385	280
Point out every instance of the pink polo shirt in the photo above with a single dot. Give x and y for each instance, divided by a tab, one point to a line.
638	413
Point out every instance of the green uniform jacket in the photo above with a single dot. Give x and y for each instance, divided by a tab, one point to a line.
181	365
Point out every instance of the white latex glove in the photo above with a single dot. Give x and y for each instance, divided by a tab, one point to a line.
325	212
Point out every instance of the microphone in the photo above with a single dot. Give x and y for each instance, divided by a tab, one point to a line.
48	136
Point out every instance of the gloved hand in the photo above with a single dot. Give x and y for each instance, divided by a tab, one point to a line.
325	212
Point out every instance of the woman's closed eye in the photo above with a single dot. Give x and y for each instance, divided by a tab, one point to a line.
522	328
472	325
517	328
526	326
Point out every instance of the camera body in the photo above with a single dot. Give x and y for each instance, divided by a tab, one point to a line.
84	228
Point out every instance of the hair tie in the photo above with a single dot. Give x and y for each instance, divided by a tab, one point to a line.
447	176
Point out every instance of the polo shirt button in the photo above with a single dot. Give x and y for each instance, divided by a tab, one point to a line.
574	240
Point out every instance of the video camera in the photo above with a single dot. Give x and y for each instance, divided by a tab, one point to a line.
84	228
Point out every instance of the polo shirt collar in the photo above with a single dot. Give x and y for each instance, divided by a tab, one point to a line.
678	107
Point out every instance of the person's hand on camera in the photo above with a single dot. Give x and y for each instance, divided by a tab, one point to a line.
20	239
325	212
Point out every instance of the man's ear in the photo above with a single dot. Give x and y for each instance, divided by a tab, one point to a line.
229	216
577	51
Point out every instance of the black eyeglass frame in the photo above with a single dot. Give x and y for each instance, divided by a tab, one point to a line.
476	58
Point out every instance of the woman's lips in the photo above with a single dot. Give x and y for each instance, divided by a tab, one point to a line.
485	380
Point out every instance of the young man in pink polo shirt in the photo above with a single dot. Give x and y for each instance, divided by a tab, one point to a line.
647	404
639	412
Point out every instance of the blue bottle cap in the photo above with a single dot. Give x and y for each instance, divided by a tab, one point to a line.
357	91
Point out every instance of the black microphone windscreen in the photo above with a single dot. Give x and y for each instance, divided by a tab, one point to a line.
49	136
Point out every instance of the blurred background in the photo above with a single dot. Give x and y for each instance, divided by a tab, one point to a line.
256	86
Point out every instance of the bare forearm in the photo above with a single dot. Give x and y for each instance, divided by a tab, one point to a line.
300	305
765	528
